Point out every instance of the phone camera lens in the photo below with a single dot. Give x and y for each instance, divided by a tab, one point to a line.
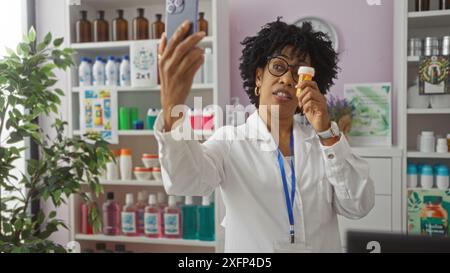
171	9
179	3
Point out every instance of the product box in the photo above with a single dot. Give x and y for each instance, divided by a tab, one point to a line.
143	64
434	76
428	212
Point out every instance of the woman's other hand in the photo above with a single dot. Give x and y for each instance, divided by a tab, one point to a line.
314	105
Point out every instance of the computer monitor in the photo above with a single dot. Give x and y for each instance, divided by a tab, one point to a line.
375	242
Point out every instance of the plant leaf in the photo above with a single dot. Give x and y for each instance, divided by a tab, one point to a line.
32	34
58	42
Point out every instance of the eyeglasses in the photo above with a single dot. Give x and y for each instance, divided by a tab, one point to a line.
279	66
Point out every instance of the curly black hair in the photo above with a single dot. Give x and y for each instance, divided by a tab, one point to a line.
273	38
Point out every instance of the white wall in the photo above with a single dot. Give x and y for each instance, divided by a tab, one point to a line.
50	18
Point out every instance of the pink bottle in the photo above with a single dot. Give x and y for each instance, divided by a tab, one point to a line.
140	207
111	216
172	220
153	226
129	216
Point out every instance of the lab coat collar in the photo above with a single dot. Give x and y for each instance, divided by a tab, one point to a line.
303	140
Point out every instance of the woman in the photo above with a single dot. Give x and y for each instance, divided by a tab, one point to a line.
283	184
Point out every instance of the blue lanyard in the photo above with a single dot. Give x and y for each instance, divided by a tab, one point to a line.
289	200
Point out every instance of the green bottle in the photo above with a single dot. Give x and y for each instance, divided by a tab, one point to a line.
189	217
206	229
134	116
124	118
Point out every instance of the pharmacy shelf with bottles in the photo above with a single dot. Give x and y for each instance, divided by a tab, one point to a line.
211	84
424	127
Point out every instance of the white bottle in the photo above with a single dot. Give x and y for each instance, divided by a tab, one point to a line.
442	178
112	168
426	178
84	73
98	72
442	146
208	72
111	77
125	76
427	141
126	164
117	62
412	176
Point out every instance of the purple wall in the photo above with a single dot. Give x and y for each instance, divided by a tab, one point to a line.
365	35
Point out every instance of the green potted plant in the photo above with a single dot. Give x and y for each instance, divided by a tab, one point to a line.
27	82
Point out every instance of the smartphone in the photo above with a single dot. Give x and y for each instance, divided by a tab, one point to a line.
178	11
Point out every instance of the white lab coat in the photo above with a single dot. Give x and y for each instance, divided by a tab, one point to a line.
242	161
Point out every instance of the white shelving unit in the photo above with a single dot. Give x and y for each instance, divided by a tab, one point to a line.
416	154
143	141
195	87
410	24
127	132
120	45
428	111
144	240
139	183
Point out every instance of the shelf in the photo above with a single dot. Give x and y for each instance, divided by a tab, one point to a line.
150	183
422	189
412	154
118	45
428	111
206	134
428	19
127	133
114	4
195	87
144	240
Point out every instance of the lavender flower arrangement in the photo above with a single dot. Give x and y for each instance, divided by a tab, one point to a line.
337	108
